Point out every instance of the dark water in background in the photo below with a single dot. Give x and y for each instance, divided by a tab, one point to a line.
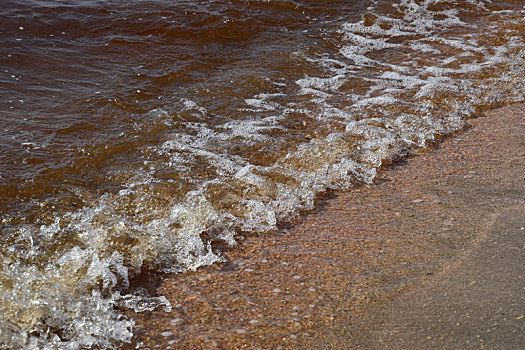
145	134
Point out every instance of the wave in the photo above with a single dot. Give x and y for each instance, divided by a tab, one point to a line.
188	179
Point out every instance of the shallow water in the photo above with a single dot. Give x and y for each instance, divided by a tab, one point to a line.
148	134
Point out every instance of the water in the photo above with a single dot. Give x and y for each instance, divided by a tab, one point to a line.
146	135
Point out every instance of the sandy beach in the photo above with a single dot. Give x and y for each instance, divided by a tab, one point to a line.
431	255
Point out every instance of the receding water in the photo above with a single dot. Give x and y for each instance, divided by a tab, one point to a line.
147	134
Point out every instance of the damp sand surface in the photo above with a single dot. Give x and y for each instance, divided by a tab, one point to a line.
431	255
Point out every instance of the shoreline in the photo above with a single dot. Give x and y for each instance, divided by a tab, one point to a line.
323	281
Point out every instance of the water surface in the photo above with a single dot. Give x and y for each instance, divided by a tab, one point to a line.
145	135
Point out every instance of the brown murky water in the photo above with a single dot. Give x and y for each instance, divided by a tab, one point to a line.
148	134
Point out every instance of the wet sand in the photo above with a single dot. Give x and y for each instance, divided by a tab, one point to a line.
429	256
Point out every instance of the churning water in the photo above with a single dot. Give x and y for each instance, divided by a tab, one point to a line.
146	134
